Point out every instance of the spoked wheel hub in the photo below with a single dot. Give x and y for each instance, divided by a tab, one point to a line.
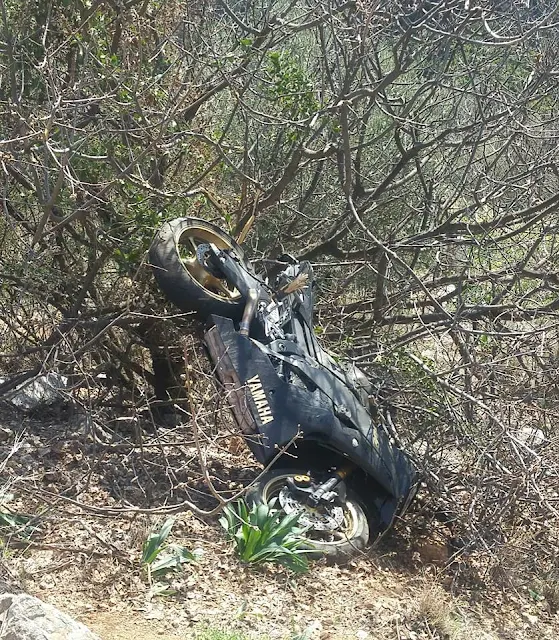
322	518
181	257
195	252
328	526
204	255
338	530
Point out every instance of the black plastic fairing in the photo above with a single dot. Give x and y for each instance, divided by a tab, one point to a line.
285	414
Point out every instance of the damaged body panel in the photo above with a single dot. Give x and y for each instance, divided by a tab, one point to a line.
312	422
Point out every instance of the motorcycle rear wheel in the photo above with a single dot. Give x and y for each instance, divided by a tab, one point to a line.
338	545
183	278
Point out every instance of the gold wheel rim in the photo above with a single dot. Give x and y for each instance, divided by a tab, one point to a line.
341	536
187	244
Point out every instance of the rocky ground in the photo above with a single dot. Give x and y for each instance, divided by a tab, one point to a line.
94	490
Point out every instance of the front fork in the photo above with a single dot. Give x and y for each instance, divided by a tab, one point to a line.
327	491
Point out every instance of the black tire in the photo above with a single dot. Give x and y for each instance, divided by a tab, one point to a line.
269	485
175	277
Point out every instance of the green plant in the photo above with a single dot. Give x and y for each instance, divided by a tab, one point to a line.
265	534
18	523
220	634
159	558
291	89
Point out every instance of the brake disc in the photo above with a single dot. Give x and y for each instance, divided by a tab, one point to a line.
203	254
320	519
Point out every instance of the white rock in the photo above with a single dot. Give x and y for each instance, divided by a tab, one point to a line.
23	617
531	436
313	630
531	618
40	391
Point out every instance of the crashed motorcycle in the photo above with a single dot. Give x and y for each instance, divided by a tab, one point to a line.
312	422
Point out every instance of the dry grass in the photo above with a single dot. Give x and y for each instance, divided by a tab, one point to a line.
444	619
435	607
550	591
87	562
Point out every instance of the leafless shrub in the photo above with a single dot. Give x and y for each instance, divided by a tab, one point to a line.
408	151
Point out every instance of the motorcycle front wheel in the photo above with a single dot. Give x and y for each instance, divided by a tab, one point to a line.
337	531
177	256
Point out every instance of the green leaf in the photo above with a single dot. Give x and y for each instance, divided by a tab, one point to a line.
167	561
162	589
13	519
153	545
17	521
166	529
265	534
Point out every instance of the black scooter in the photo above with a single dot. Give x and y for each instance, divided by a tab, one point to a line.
331	452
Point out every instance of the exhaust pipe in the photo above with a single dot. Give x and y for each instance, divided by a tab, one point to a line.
248	313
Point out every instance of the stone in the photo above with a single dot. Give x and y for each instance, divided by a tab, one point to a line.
38	392
531	436
532	619
23	617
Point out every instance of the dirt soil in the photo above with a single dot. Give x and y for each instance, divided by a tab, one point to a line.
78	552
